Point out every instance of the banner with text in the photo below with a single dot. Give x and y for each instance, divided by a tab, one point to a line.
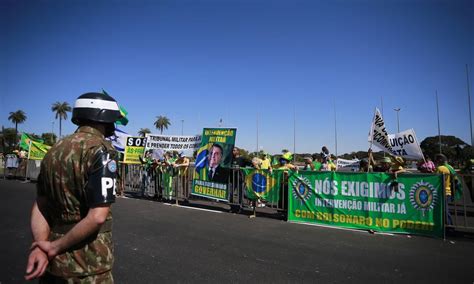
347	165
373	201
134	149
213	161
406	145
165	143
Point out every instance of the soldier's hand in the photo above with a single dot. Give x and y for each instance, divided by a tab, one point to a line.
37	264
48	247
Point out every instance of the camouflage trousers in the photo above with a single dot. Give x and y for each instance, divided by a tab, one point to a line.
105	278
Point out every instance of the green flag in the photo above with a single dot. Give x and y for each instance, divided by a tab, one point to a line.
38	150
262	185
124	120
25	141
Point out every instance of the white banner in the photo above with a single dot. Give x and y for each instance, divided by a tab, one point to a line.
348	165
161	143
378	135
406	145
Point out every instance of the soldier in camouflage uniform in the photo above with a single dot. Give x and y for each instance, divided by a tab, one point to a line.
71	219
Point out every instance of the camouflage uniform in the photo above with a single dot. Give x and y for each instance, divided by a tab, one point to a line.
62	181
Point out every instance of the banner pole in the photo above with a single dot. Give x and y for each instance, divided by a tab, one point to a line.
27	160
371	139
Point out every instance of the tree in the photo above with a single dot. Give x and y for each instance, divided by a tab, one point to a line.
61	110
143	131
17	117
49	138
452	147
161	123
8	139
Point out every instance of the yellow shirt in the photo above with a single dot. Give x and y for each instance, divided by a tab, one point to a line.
265	164
447	178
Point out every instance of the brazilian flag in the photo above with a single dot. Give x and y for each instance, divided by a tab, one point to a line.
200	166
262	185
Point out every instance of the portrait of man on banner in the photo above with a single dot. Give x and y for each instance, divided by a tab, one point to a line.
216	172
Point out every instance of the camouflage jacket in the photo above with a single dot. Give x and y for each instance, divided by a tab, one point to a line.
62	181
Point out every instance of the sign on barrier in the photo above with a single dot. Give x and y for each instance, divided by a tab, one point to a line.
134	149
368	201
212	166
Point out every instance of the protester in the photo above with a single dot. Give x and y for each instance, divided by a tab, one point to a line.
147	163
426	166
444	168
396	168
257	163
182	164
383	166
317	165
284	163
266	162
238	179
238	160
308	164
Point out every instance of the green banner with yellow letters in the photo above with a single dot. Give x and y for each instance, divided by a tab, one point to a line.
213	161
412	204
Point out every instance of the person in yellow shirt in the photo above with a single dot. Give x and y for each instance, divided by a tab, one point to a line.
442	167
266	163
182	164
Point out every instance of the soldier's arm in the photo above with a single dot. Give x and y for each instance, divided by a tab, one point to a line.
91	224
39	226
37	260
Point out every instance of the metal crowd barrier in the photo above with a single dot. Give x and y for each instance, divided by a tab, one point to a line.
135	182
462	210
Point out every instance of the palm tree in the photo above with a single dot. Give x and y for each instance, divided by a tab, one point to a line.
17	117
161	123
61	110
143	131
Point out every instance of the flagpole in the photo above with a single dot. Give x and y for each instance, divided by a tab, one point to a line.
381	106
294	133
27	160
371	139
257	134
335	126
469	101
439	127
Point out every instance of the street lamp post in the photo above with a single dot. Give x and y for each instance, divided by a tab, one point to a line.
182	127
398	118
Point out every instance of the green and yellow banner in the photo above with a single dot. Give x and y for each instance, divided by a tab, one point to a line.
134	149
212	166
37	150
25	141
412	204
263	185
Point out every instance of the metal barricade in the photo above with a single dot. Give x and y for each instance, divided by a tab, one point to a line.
461	210
177	187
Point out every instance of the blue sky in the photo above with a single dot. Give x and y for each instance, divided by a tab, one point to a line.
200	61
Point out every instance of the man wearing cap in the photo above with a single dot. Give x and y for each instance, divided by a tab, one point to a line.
71	221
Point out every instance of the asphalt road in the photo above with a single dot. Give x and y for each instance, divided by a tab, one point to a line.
155	242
